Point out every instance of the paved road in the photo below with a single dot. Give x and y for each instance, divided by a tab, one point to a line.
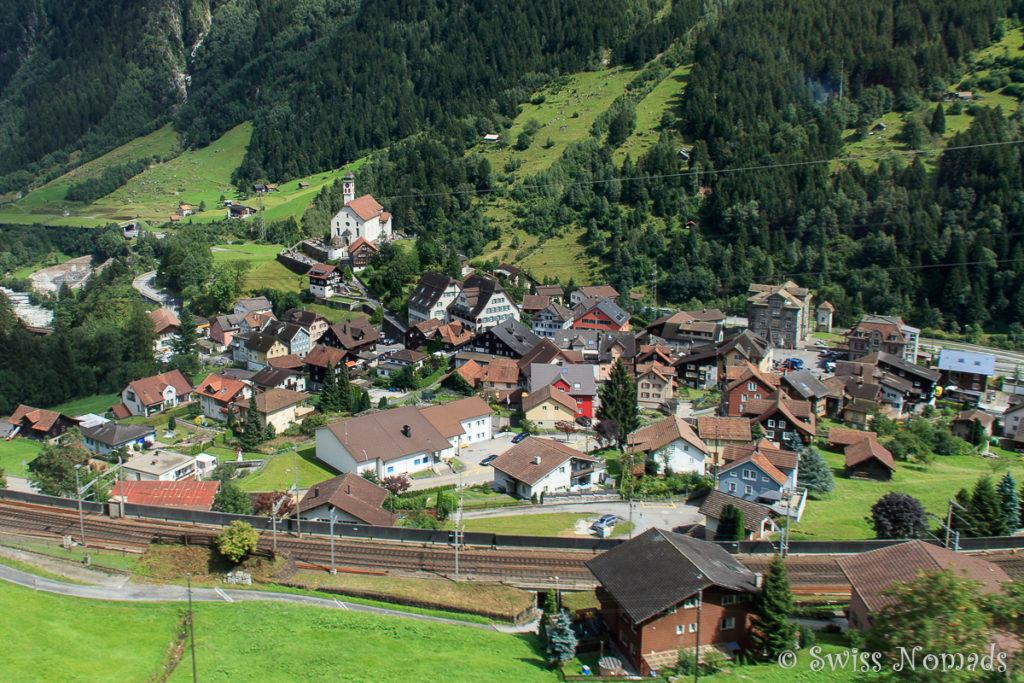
644	515
145	285
167	593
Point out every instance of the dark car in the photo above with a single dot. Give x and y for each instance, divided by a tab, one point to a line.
519	437
489	459
605	521
584	421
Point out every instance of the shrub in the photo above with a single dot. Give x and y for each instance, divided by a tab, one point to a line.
237	540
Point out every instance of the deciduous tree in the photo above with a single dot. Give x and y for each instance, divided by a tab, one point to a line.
237	540
53	470
264	503
396	484
230	498
898	515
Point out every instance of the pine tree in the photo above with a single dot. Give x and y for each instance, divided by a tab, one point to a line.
252	434
344	391
978	434
561	640
171	423
773	632
1011	502
938	126
619	403
730	526
987	510
329	391
963	521
184	343
815	475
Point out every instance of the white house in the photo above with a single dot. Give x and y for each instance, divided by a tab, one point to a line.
482	303
155	394
360	217
535	466
161	466
347	499
462	422
554	318
396	441
433	294
109	436
673	439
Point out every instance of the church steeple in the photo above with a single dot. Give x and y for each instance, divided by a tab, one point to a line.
348	187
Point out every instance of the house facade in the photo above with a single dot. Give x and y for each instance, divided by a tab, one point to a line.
671	443
537	466
278	408
577	381
110	436
463	422
967	370
361	252
655	385
600	314
552	319
482	303
885	334
151	395
548	406
218	395
781	314
161	465
432	296
324	280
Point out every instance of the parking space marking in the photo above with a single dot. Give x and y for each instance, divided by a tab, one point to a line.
658	506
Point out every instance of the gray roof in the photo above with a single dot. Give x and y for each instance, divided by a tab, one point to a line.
381	435
805	384
627	340
905	365
158	462
967	361
115	435
272	377
753	513
606	306
517	336
659	569
430	288
580	378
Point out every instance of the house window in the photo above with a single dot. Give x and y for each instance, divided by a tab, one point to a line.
392	469
770	434
743	398
680	629
732	487
728	624
731	599
693	627
751	386
748	490
782	424
689	603
750	474
771	423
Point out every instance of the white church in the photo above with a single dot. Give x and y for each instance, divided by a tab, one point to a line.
359	217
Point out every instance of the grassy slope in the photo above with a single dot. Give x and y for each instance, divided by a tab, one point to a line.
57	638
99	404
844	513
14	451
277	474
550	524
666	96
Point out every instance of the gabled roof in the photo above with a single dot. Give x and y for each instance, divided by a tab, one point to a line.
150	390
454	334
797	412
535	302
285	332
554	291
659	569
867	449
366	207
723	428
471	372
543	351
38	418
607	306
271	376
758	459
793	294
321	270
967	361
380	435
429	289
598	292
738	375
664	372
845	437
478	290
805	384
981	416
305	319
354	332
257	303
361	242
610	339
555	311
516	336
784	461
261	343
532	459
115	435
580	378
753	513
746	343
351	494
447	417
408	356
902	364
872	572
164	319
273	400
663	432
549	393
220	388
501	371
288	361
193	495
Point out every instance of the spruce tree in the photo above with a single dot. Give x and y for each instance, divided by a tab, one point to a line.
987	509
344	391
773	632
1011	502
815	475
561	640
184	343
252	434
938	126
730	526
329	391
963	520
619	403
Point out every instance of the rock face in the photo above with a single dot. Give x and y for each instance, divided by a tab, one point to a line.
238	578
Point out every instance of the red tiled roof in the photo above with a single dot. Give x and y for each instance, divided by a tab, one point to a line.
121	412
38	418
662	433
354	247
532	459
471	372
502	371
320	270
149	390
163	320
220	388
366	207
724	428
758	458
196	495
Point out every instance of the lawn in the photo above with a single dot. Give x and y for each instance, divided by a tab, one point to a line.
546	524
14	451
800	673
105	558
843	514
98	404
334	315
561	257
274	275
666	96
252	253
278	474
59	638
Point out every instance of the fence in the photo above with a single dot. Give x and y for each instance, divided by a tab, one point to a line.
476	538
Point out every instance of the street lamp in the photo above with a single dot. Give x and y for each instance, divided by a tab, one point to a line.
81	516
333	570
191	625
696	645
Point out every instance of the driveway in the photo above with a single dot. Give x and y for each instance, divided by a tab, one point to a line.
644	515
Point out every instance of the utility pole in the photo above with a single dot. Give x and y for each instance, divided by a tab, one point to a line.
295	466
191	626
458	523
333	569
81	516
696	644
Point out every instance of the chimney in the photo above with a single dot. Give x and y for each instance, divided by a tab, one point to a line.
536	460
316	491
758	579
348	489
407	431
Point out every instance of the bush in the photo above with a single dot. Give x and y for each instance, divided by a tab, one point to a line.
312	422
237	540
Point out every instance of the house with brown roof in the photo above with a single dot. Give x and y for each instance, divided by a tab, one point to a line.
535	466
765	475
151	395
324	280
218	394
802	385
472	372
462	422
758	520
744	347
500	375
870	574
396	441
719	432
361	252
279	408
39	424
865	457
432	296
548	406
270	377
746	383
883	333
780	314
261	349
185	495
655	589
783	419
553	292
963	424
316	362
672	444
483	303
355	335
534	304
166	327
361	216
655	385
684	330
314	323
347	499
579	295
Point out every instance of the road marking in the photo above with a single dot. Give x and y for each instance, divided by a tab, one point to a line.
340	604
223	594
656	506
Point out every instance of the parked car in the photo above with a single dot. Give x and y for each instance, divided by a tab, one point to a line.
519	437
583	420
604	521
489	459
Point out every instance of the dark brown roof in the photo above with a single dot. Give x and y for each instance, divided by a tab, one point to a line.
37	418
535	302
287	362
984	418
724	428
846	437
380	435
872	572
785	461
408	356
865	450
753	513
355	332
351	494
447	417
659	569
533	459
273	400
321	355
163	320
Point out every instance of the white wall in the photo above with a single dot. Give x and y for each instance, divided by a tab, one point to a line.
332	452
682	457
